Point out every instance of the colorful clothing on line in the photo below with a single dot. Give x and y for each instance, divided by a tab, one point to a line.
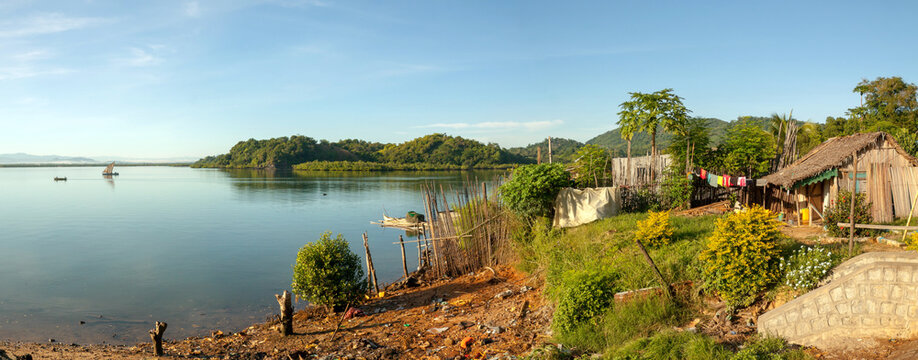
712	180
704	174
741	181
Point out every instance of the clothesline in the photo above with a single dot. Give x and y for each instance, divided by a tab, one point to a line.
722	180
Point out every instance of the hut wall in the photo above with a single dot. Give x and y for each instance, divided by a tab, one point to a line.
888	178
640	169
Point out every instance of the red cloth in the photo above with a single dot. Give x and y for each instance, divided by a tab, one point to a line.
704	174
741	181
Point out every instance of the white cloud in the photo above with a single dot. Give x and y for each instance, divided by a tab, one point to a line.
140	57
32	55
192	9
498	125
45	24
22	72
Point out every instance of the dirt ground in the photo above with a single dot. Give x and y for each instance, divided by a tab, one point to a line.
498	314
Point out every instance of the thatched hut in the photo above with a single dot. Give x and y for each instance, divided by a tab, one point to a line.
885	172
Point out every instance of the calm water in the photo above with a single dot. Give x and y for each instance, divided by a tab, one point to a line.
201	249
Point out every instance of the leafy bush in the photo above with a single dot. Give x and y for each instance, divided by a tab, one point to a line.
587	294
676	190
673	345
532	189
328	273
740	259
806	266
840	211
592	167
656	230
636	200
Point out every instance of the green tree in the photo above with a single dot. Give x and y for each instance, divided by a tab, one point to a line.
591	167
749	150
628	124
887	103
696	135
651	112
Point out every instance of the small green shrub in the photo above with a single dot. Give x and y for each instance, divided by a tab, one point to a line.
656	230
769	348
676	189
840	211
327	272
672	345
806	266
740	259
585	295
532	189
636	199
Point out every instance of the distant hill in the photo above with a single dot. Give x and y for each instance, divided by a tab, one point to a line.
640	144
562	150
23	158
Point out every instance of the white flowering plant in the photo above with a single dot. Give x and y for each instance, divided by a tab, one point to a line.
806	266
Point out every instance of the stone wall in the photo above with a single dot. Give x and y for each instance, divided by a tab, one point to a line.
873	295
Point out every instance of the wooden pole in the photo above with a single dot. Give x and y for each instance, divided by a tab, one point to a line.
909	222
852	187
663	283
371	271
538	155
404	260
286	313
419	252
549	149
157	335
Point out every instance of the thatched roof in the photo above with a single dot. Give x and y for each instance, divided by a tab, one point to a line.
831	154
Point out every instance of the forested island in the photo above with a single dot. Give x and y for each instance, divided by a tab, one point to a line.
430	152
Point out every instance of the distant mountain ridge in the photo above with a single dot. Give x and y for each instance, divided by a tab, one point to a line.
640	143
23	158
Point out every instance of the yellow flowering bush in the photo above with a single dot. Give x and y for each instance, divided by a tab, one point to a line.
741	258
656	230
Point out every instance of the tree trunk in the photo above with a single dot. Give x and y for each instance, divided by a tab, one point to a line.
628	165
157	335
653	156
286	309
688	163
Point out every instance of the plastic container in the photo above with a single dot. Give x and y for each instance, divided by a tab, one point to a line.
804	215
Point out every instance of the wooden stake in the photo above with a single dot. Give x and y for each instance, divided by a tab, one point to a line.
157	335
419	253
286	310
663	283
852	187
404	260
371	271
549	149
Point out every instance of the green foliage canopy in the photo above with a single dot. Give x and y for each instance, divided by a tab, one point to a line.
532	189
592	167
328	273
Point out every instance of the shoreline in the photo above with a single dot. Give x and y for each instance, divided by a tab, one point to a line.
500	311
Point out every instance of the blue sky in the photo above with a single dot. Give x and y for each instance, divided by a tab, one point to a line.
157	79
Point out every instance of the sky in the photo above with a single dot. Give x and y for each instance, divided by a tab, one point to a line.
185	79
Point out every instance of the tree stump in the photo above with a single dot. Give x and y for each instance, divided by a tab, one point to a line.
157	335
286	309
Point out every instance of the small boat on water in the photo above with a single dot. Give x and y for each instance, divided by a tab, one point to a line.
414	223
60	178
109	171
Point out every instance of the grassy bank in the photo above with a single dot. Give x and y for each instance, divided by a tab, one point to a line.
640	328
387	166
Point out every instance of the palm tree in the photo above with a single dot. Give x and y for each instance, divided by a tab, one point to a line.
651	112
628	124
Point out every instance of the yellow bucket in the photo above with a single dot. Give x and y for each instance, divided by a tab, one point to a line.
804	216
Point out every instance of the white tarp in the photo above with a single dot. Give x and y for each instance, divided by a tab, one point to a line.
577	207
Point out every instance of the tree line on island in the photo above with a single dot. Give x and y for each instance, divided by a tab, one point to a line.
648	123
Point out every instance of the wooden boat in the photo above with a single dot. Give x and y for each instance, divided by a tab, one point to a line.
109	170
60	178
399	223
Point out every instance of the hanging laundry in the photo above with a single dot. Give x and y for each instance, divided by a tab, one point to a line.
712	180
733	181
741	181
726	180
704	174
